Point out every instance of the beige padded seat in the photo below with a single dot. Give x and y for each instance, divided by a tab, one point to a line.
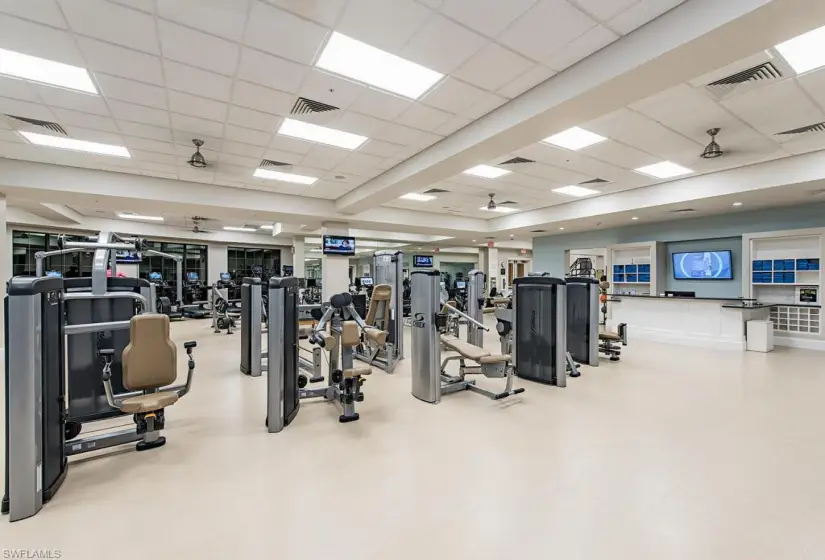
357	371
494	359
470	351
376	335
149	403
610	336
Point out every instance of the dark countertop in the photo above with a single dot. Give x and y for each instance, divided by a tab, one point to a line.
677	298
739	302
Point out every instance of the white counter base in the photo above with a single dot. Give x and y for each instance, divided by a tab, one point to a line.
683	321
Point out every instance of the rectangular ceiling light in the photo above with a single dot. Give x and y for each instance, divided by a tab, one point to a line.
127	216
267	227
806	52
286	177
487	171
664	170
64	143
45	71
360	61
236	228
573	190
501	209
321	134
574	139
418	197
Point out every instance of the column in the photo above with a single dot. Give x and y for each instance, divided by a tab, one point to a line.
334	268
298	256
5	261
481	261
493	269
217	261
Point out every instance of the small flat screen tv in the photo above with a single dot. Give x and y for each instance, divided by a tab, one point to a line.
155	277
128	257
193	277
54	274
225	277
288	270
422	261
707	265
366	281
460	285
338	245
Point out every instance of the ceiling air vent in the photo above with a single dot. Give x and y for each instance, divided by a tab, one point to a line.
760	73
304	106
508	202
818	127
539	231
54	127
595	181
517	160
683	211
268	163
435	191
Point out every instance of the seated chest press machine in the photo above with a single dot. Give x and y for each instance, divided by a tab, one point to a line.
429	377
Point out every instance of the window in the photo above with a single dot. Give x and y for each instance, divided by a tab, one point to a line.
25	244
241	260
195	259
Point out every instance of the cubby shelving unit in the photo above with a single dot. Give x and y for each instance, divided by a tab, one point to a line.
632	268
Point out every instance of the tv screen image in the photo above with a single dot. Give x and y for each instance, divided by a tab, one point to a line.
337	245
155	277
192	277
422	261
366	281
707	265
128	257
226	277
460	285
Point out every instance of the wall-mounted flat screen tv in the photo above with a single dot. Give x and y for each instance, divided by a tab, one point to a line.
707	265
338	245
422	261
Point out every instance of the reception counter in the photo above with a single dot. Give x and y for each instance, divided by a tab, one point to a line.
708	322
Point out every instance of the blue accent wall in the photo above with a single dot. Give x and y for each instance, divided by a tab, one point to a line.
548	251
707	288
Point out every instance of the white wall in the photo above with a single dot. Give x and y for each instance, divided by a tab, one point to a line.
217	261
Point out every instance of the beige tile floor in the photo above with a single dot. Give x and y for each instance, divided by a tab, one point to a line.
672	453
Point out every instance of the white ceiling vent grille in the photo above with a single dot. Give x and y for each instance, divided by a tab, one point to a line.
51	126
758	72
817	127
304	106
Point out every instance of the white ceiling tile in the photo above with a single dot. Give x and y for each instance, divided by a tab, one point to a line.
196	175
434	4
155	157
197	106
327	88
620	155
149	145
454	124
85	120
253	119
25	109
159	174
289	144
10	136
196	125
580	48
357	123
242	161
452	95
198	49
379	148
489	17
239	149
17	89
112	23
197	82
790	108
640	13
603	10
324	157
482	106
442	45
131	91
492	67
94	135
142	5
38	40
805	143
70	99
359	158
423	118
545	28
120	61
225	18
155	166
282	156
139	113
145	131
398	134
352	167
324	12
16	150
284	34
271	71
247	136
814	83
263	99
41	11
379	104
526	81
382	24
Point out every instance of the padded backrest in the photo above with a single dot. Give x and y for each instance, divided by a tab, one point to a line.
350	334
379	306
150	360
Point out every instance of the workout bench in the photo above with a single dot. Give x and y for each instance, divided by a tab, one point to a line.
493	366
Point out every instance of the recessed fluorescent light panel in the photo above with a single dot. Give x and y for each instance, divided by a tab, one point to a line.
664	170
573	190
286	177
236	228
487	171
360	61
806	52
45	71
126	216
418	197
500	209
64	143
267	227
574	139
321	134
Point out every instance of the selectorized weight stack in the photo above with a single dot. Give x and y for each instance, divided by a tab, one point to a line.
475	307
385	314
583	320
251	320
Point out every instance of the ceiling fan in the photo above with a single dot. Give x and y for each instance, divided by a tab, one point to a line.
196	224
492	204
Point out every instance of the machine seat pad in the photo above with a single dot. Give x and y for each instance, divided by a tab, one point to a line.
377	336
467	350
149	403
489	310
494	359
610	336
357	371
